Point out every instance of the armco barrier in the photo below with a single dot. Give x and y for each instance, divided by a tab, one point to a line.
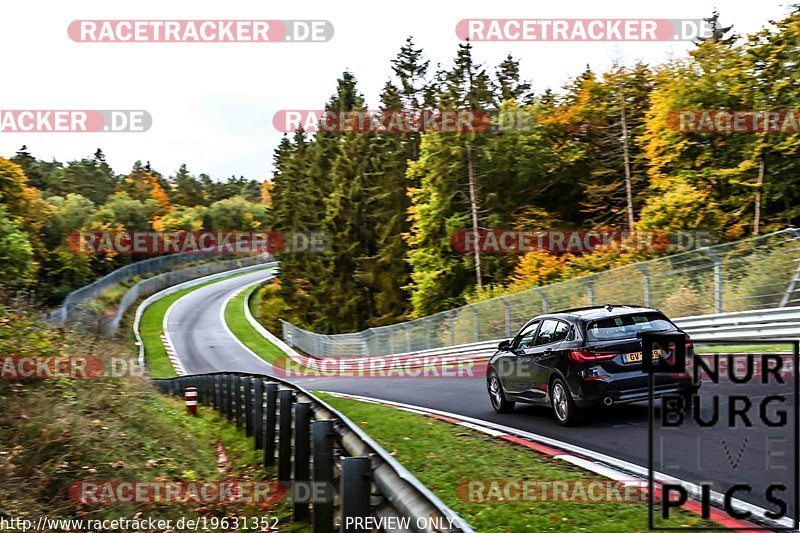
71	311
763	324
98	287
319	447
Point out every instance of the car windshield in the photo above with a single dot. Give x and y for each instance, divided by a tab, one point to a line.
626	326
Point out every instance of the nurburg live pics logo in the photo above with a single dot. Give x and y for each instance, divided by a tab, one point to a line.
754	401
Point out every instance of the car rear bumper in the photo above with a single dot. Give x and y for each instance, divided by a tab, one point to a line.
616	391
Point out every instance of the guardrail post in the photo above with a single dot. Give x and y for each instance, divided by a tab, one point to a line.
408	339
322	433
223	395
647	288
238	384
717	279
258	413
230	400
285	399
217	393
203	390
302	457
354	490
269	429
247	383
545	300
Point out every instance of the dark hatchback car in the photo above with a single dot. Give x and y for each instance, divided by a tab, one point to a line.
580	358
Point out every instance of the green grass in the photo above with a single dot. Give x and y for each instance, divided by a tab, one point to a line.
742	348
57	433
443	455
151	327
241	328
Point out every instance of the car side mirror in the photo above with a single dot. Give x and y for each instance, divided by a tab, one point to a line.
504	346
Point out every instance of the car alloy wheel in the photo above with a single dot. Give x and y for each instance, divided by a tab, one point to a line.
497	396
560	403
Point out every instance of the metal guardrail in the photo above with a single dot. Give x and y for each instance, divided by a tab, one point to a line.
317	446
768	324
98	287
751	274
75	312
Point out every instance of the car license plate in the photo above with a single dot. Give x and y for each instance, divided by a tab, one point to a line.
637	356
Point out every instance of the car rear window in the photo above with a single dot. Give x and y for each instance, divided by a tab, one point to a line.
626	326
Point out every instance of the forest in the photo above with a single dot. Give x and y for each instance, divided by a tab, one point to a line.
603	153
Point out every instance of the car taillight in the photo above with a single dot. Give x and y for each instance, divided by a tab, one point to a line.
588	356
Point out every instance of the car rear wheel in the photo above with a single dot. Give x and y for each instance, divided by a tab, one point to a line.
498	396
567	413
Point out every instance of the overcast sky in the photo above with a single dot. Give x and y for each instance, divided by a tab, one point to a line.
212	104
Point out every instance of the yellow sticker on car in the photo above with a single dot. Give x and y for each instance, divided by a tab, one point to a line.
635	357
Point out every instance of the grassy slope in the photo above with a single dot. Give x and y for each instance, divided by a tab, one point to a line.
54	433
442	455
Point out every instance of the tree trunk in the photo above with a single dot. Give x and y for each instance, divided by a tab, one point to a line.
759	184
473	205
627	159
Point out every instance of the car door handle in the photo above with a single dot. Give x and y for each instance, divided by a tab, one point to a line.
547	351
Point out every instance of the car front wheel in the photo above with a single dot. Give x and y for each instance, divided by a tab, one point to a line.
498	396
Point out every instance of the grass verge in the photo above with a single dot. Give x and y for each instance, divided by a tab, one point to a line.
444	456
237	322
741	348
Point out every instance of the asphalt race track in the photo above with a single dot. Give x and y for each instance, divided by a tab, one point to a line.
720	455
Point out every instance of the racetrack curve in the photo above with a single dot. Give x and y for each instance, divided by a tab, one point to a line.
204	344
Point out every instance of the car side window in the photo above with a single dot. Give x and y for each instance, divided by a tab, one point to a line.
546	332
561	332
553	331
525	337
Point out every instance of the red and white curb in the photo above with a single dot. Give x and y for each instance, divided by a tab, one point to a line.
173	357
603	465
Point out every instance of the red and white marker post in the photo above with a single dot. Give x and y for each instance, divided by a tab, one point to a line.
191	400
